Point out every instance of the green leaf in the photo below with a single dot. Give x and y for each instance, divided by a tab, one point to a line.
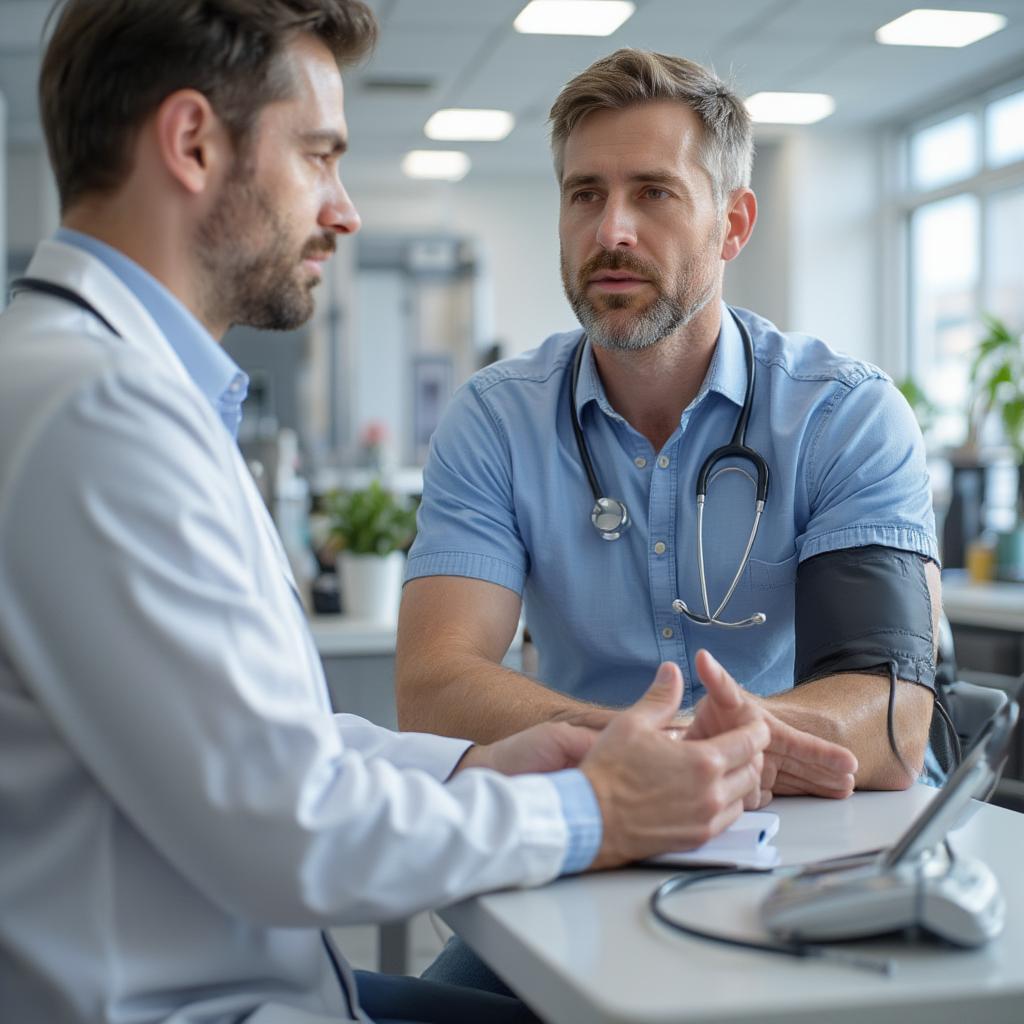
371	521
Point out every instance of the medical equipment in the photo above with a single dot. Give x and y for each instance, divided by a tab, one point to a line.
916	883
858	609
611	517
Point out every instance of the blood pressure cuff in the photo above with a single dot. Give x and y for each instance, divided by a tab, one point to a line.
859	609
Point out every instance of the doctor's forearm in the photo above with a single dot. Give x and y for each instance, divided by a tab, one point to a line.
851	710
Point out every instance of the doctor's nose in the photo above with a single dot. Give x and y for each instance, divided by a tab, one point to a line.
339	213
617	227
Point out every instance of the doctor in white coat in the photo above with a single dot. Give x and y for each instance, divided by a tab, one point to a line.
181	813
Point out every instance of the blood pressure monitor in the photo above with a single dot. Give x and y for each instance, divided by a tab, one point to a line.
915	883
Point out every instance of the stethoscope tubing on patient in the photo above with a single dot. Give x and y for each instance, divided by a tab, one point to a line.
610	516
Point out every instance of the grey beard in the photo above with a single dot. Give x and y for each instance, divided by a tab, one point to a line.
663	317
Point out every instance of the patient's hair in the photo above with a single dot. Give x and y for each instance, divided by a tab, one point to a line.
110	63
631	77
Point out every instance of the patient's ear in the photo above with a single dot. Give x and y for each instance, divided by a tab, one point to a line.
740	217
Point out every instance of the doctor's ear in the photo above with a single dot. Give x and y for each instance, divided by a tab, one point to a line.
192	141
740	216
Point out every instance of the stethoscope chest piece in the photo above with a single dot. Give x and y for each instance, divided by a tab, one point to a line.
610	518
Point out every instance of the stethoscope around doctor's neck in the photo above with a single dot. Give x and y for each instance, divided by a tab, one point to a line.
611	517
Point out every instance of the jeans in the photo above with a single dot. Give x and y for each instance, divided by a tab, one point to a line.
457	964
396	999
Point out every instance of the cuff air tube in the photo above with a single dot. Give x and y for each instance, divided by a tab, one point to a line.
861	610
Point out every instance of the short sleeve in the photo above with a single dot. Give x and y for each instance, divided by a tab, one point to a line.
866	475
466	525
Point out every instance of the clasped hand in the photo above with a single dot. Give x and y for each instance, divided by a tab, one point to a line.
661	789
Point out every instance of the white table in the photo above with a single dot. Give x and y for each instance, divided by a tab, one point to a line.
586	950
993	605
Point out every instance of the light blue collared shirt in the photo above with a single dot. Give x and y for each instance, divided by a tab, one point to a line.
506	500
214	372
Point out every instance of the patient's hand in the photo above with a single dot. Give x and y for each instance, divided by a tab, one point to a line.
548	747
795	762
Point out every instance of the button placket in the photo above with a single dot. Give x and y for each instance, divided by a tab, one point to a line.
662	569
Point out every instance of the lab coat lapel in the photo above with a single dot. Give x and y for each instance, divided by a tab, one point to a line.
99	285
80	271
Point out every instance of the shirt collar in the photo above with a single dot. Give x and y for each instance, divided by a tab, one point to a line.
212	370
726	375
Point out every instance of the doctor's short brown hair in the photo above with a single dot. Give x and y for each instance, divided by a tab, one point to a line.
629	78
110	63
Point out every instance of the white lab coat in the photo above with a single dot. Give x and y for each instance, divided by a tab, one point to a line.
179	810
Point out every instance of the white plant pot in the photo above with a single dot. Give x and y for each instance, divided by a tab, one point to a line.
371	585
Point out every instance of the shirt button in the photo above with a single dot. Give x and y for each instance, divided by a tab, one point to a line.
659	548
640	462
663	461
667	632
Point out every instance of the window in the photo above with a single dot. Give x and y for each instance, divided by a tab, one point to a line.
945	152
1005	130
945	260
1004	256
964	222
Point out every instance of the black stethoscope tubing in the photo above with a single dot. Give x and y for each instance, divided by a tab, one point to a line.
58	291
611	517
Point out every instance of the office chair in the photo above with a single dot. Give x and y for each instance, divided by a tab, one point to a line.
970	706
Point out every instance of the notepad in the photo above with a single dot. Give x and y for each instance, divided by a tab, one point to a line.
746	843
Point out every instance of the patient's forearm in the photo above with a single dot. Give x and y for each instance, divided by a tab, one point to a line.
851	710
471	697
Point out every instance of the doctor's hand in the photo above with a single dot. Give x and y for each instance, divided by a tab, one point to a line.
548	747
795	762
659	793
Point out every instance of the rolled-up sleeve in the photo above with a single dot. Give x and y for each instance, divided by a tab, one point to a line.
467	521
866	475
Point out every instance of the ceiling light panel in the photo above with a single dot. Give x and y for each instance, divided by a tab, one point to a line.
439	164
466	125
790	107
573	17
925	27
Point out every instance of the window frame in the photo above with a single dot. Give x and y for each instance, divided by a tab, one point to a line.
895	263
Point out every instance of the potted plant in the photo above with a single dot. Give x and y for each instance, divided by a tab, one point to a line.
371	530
997	385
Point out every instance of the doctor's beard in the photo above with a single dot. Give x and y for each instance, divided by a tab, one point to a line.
649	324
251	263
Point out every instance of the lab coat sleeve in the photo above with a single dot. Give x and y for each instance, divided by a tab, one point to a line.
150	629
866	476
437	755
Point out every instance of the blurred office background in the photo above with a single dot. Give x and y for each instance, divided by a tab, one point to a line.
891	225
888	227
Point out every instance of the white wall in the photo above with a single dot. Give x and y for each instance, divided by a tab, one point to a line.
834	202
32	206
758	279
3	201
812	263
